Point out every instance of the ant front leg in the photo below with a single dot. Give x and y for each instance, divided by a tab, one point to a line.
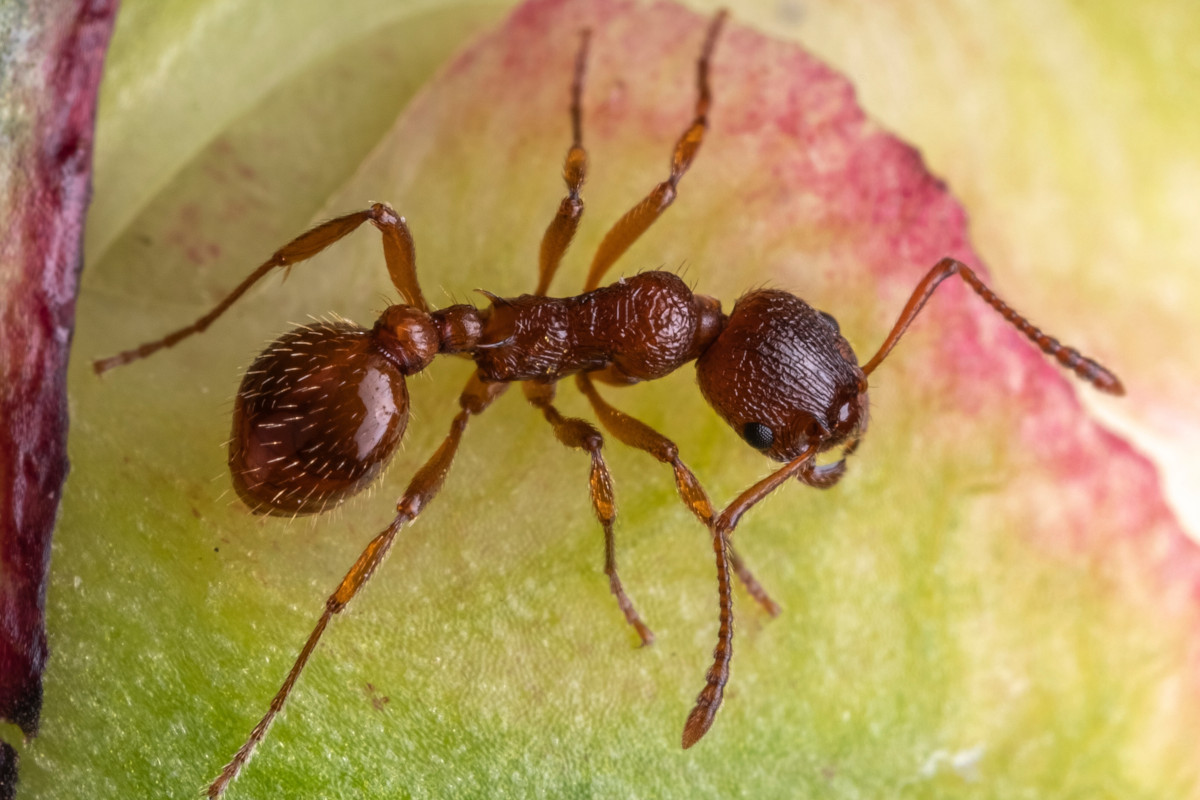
398	251
639	218
423	488
637	434
583	435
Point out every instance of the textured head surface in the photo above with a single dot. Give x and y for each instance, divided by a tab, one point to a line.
782	375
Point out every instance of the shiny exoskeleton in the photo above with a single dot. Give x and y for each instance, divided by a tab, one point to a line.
322	410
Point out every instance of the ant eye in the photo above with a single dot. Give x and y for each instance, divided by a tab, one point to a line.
757	435
830	319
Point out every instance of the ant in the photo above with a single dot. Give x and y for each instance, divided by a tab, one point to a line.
323	408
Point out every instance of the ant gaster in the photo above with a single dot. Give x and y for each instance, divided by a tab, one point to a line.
322	410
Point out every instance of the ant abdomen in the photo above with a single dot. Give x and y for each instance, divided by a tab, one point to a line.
316	418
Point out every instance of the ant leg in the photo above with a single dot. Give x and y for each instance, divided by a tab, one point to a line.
399	253
709	700
475	398
583	435
635	222
562	228
397	248
1068	357
637	434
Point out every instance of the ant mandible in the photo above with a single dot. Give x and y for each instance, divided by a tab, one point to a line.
322	410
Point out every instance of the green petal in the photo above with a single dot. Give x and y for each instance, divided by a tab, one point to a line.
995	601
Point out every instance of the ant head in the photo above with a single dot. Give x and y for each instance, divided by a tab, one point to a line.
781	374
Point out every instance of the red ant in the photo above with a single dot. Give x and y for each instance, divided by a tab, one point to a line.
321	411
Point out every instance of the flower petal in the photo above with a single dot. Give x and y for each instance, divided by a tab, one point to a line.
969	604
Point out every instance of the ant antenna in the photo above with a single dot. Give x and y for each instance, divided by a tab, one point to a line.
1068	357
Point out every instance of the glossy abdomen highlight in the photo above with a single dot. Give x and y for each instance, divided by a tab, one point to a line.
317	416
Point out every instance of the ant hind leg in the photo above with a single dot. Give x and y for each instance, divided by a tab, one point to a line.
397	249
423	488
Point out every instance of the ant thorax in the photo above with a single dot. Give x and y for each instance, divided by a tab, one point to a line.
638	329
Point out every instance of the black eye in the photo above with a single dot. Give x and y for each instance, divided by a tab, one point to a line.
833	322
757	435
